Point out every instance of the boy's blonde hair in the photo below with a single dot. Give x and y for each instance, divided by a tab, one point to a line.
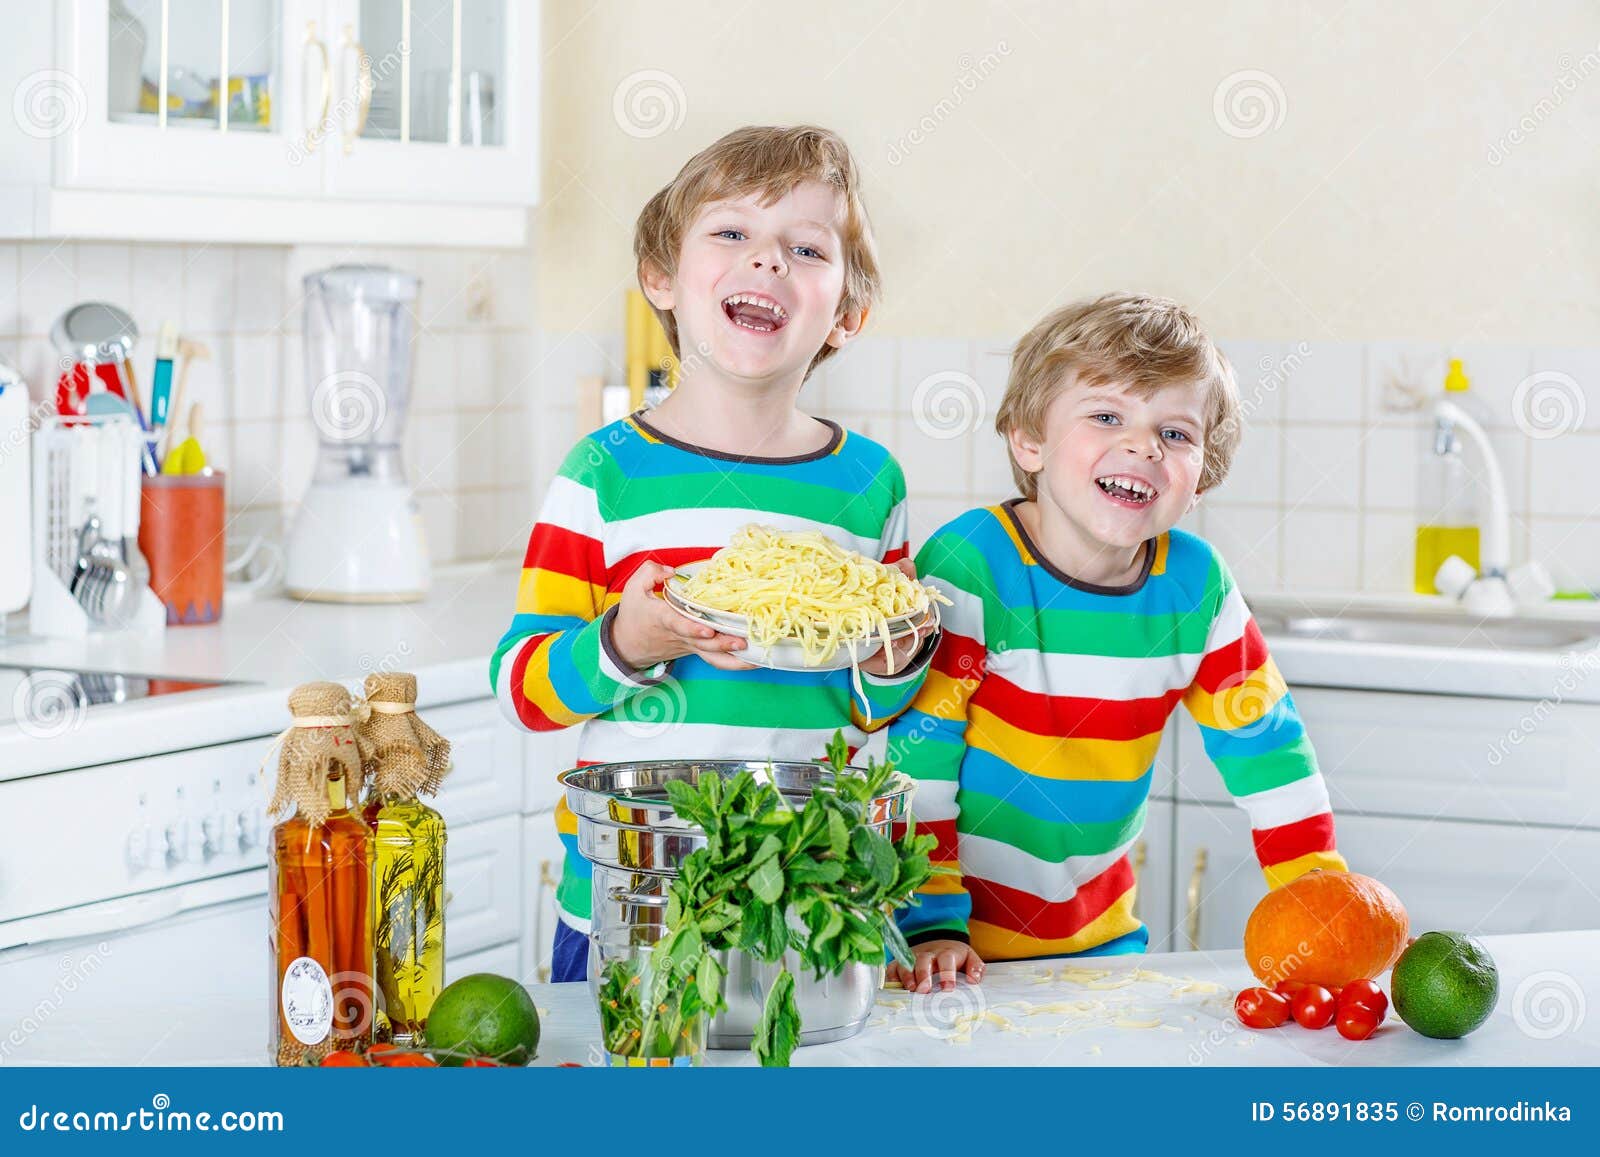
1132	339
770	161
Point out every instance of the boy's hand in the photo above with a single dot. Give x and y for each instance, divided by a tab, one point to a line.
903	650
647	631
937	961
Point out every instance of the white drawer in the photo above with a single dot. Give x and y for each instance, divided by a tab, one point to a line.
500	960
487	752
1438	756
483	885
546	754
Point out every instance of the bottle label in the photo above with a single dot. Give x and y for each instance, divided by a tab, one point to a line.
307	1001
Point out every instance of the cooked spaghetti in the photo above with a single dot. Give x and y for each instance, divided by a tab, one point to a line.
803	586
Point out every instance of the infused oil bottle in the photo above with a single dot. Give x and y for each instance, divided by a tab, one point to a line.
405	758
320	871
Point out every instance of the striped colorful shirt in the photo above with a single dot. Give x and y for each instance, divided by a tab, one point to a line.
1034	738
628	494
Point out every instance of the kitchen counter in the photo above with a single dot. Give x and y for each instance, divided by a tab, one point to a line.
263	648
1168	1009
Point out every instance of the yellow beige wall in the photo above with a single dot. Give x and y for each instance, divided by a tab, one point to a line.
1300	170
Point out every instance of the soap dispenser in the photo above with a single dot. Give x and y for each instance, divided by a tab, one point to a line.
1448	517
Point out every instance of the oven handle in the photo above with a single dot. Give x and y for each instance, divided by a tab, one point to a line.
102	919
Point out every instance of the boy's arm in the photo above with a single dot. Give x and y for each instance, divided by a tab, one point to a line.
556	665
1254	736
887	696
928	742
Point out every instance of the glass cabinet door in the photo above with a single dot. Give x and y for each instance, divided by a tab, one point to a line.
429	76
195	95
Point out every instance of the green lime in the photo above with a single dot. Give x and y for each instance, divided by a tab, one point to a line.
484	1015
1445	985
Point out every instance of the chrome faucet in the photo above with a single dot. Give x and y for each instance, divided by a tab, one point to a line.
1488	593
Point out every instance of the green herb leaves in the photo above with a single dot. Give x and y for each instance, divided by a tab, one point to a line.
821	882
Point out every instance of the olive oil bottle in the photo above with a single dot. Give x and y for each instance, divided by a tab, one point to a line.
405	758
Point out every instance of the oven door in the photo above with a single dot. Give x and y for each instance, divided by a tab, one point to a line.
174	977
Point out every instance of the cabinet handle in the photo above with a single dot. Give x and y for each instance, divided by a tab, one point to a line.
363	88
1140	853
547	880
314	42
1192	918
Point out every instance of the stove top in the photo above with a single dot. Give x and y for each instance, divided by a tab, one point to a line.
45	700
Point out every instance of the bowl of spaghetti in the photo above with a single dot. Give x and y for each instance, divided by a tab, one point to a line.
802	601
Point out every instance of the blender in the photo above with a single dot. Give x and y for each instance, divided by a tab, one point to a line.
358	535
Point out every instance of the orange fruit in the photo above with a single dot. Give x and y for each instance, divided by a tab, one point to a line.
1327	928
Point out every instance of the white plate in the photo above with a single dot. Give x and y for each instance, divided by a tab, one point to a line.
784	655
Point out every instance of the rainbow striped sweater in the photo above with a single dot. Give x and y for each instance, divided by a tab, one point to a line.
1034	737
628	494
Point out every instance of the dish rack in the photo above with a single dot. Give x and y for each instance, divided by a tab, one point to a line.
83	468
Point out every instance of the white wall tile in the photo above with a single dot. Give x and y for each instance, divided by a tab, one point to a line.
1262	371
440	513
474	371
1495	372
1322	550
256	472
10	319
936	376
1322	465
47	284
105	273
991	468
475	449
861	379
1249	541
433	452
478	529
992	368
157	287
930	514
1564	393
1392	452
433	377
1388	551
209	297
933	465
1570	549
1323	381
1256	475
513	450
1401	375
1561	471
259	289
255	376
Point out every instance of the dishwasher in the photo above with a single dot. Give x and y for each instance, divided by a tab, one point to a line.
133	908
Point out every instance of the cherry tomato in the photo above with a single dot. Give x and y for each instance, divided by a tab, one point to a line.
1357	1021
343	1059
1312	1007
1289	987
409	1061
1365	993
481	1063
569	1065
380	1050
1260	1008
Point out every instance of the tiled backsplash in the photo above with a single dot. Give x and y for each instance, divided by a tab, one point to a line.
468	430
1322	493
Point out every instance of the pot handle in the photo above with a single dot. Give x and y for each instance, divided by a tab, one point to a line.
621	895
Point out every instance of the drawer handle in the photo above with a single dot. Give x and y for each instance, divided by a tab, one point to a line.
548	880
1140	853
314	42
363	88
620	895
1196	879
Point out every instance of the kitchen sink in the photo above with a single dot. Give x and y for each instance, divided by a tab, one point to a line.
1431	631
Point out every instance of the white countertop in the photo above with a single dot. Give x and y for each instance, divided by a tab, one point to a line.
1169	1009
269	645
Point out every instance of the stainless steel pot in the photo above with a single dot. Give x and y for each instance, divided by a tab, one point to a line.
636	844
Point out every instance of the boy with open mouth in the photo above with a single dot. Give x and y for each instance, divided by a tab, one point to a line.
1081	618
759	261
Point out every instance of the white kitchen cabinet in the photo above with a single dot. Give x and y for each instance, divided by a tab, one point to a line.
501	960
486	753
546	754
1152	865
346	121
483	885
543	854
1385	753
1465	876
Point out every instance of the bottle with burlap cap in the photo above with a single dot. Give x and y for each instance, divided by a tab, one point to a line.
320	870
404	758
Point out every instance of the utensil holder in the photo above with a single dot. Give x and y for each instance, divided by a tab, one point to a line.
182	524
